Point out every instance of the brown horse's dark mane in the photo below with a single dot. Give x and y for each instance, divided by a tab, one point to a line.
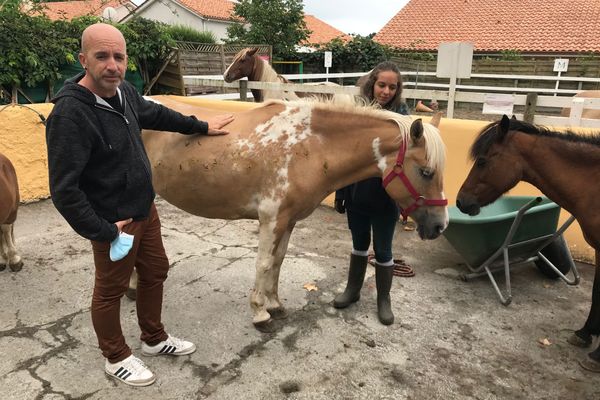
489	136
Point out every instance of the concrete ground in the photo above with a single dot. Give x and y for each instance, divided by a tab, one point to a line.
451	340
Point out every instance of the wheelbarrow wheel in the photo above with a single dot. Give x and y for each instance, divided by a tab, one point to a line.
558	254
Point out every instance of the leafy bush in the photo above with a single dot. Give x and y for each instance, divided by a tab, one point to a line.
33	48
148	45
359	54
184	33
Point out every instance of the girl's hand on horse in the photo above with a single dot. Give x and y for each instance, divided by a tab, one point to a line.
216	124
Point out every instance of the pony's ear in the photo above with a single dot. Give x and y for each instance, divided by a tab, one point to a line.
416	130
514	117
252	51
503	127
435	120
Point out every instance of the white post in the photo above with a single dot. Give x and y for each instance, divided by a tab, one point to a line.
327	63
557	82
576	111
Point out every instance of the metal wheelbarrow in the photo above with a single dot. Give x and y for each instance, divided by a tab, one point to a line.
511	231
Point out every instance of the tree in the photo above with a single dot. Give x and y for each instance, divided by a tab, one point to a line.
279	23
359	54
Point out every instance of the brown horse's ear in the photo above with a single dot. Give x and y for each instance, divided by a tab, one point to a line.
514	117
416	130
252	51
435	120
503	127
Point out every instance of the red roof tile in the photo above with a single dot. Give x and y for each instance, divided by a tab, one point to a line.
213	9
493	25
71	9
322	32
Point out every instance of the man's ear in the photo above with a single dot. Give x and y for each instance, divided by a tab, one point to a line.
82	60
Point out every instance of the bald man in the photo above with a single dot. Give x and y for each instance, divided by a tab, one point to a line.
101	183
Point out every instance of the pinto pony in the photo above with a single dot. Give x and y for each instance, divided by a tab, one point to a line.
564	166
282	159
247	64
9	204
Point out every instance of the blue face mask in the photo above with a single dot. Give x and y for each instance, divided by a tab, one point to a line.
120	247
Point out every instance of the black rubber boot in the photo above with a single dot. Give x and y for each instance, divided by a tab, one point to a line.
356	276
383	279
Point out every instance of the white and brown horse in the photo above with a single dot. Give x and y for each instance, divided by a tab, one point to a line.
248	64
9	204
282	159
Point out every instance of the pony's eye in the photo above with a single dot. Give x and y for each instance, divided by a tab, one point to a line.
480	162
427	173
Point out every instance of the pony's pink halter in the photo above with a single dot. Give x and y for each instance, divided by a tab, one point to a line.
398	171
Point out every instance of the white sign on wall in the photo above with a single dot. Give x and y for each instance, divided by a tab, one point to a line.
455	59
498	103
561	64
328	59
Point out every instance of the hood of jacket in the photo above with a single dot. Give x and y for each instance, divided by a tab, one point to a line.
72	88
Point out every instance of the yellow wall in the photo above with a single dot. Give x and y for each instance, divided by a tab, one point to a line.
22	139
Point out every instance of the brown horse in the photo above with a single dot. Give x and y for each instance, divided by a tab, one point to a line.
247	64
9	204
564	166
587	112
282	159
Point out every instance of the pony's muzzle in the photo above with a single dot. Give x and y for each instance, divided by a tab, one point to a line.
468	205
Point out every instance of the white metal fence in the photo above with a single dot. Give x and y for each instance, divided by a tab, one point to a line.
545	98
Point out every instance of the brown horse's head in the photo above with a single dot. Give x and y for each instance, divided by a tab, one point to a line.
415	179
497	168
241	66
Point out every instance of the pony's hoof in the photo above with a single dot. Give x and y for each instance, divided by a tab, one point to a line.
261	319
2	267
578	341
16	267
278	313
590	364
266	326
131	293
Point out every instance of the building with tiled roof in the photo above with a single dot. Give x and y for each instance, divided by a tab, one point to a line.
526	26
71	9
203	15
322	32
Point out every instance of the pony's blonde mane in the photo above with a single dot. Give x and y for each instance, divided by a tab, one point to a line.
268	73
435	148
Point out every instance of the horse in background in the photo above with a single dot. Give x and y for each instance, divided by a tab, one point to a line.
248	64
587	113
9	204
281	160
564	166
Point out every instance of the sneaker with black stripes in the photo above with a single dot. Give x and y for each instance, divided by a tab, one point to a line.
131	371
172	346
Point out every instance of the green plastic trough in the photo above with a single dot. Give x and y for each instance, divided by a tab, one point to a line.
477	238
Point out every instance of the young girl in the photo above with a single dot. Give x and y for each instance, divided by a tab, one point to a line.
369	207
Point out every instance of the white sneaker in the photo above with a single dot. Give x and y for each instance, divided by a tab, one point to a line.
172	346
131	371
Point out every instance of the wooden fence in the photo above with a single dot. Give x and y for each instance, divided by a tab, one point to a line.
190	58
540	105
